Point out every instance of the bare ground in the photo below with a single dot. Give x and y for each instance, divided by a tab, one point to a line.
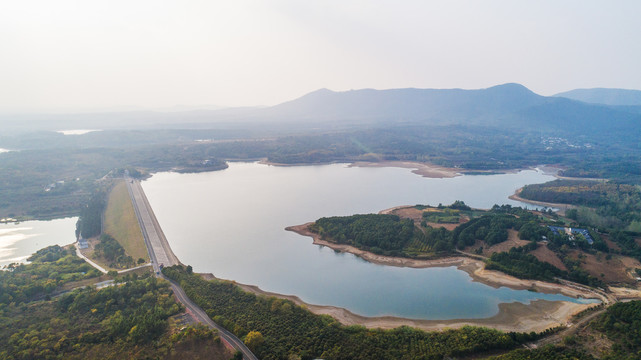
542	253
611	244
410	212
626	293
615	270
511	242
423	169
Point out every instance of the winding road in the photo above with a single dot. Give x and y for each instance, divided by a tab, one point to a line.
160	253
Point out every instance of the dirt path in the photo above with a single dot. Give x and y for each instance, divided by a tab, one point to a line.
571	330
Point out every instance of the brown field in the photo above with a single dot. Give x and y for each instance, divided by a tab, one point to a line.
546	255
409	213
611	244
417	216
445	226
614	270
512	241
120	222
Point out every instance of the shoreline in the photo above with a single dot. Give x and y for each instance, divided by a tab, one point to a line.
423	169
562	207
536	316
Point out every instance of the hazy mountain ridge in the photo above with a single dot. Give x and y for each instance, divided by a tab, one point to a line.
508	105
505	106
604	96
437	105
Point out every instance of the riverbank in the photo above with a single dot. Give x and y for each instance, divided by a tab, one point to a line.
562	207
424	169
536	316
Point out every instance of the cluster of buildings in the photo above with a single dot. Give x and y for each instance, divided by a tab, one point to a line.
571	232
552	142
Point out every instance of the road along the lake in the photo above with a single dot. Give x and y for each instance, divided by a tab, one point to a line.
160	253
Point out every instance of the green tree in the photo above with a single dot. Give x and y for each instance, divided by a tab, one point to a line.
254	339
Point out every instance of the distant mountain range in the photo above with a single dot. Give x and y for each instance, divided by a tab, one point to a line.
605	96
507	106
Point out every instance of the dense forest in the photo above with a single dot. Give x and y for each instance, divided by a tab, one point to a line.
607	205
126	321
50	268
546	353
621	323
389	234
375	232
392	235
290	330
90	219
114	254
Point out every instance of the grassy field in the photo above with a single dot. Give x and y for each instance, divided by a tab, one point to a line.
121	223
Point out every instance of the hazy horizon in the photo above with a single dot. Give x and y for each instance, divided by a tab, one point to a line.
75	56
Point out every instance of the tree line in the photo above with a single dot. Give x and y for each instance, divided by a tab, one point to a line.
289	330
118	322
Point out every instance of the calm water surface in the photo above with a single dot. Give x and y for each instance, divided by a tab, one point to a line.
231	223
19	241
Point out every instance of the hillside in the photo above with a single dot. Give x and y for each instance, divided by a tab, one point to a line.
617	97
504	106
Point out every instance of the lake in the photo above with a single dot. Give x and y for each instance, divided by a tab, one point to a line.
231	223
19	241
77	131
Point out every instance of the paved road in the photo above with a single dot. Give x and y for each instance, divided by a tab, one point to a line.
80	255
155	239
160	253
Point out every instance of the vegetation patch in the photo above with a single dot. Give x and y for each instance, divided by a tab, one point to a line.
607	205
287	330
50	268
121	223
118	322
110	252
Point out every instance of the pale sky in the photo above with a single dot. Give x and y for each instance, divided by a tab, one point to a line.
99	54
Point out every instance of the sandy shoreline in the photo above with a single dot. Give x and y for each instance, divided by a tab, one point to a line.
562	207
424	169
536	316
